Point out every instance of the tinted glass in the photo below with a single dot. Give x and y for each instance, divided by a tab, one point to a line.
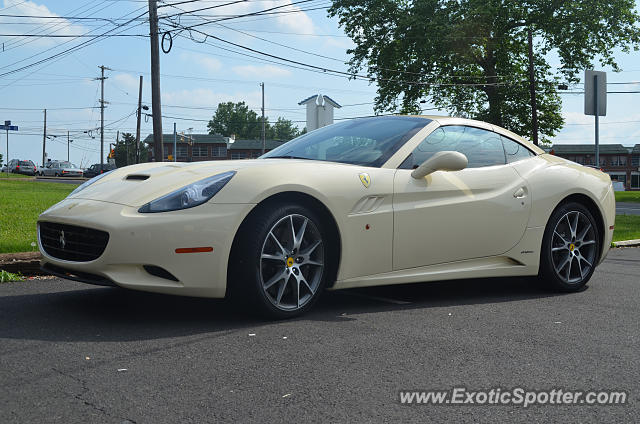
369	141
481	147
26	163
514	150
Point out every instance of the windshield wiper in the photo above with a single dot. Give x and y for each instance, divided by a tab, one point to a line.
287	157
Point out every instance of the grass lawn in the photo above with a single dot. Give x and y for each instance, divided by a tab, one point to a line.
627	227
21	202
4	176
627	196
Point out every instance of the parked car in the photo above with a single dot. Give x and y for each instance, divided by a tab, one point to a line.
61	169
26	167
94	169
384	200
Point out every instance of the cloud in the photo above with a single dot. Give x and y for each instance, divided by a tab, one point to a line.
127	82
208	63
297	21
43	27
206	97
263	71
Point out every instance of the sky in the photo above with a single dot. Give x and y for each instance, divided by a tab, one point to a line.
198	73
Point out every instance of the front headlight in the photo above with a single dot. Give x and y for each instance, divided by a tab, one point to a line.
88	183
187	197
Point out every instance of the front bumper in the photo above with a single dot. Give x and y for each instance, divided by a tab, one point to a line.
138	240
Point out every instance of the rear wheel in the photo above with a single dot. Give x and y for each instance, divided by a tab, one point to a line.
280	263
570	248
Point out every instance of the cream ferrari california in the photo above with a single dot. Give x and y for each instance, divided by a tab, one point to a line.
385	200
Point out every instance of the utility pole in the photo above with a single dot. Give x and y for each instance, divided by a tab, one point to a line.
532	89
102	103
44	139
138	123
155	81
68	146
264	141
175	143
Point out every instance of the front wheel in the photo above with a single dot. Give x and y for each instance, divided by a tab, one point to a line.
280	263
570	248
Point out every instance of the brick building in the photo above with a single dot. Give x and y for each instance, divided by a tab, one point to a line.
211	147
621	162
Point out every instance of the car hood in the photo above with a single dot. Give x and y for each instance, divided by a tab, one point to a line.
136	185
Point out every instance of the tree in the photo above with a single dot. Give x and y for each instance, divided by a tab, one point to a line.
235	119
470	56
125	151
283	130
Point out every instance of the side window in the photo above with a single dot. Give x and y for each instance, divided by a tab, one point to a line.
514	150
481	147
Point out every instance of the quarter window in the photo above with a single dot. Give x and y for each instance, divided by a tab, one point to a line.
481	147
516	151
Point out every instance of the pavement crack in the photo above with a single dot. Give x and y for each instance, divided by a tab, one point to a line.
82	396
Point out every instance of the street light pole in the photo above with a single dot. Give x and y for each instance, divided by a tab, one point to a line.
44	139
264	142
67	146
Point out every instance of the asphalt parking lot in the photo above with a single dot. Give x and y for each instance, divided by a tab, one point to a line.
627	208
76	353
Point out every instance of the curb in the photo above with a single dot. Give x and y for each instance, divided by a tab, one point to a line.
627	243
25	263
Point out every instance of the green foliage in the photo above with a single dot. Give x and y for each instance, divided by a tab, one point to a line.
237	119
6	277
470	56
283	129
627	227
628	196
125	151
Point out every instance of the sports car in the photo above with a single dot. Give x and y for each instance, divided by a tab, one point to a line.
365	202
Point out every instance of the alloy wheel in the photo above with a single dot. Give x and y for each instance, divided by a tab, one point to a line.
292	262
573	247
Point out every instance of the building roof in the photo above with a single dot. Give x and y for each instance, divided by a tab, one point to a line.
589	149
197	138
314	98
219	139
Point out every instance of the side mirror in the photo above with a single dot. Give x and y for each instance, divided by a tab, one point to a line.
441	161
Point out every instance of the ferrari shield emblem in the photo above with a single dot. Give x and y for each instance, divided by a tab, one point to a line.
365	179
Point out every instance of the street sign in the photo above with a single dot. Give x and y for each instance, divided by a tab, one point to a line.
8	127
595	93
595	101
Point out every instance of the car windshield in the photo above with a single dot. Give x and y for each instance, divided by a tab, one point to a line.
66	165
367	141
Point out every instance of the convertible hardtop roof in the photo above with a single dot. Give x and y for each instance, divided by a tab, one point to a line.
449	120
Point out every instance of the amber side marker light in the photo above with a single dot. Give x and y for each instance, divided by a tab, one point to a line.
194	249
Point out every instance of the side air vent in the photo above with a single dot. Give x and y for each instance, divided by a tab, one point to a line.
156	271
137	177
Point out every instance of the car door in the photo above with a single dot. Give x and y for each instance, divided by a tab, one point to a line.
477	212
50	170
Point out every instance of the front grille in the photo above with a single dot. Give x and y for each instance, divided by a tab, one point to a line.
72	243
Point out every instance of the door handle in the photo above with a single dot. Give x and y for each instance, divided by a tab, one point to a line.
520	193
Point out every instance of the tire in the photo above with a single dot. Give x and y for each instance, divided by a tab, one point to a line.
570	248
274	273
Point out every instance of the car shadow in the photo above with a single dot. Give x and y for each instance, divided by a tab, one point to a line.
113	314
